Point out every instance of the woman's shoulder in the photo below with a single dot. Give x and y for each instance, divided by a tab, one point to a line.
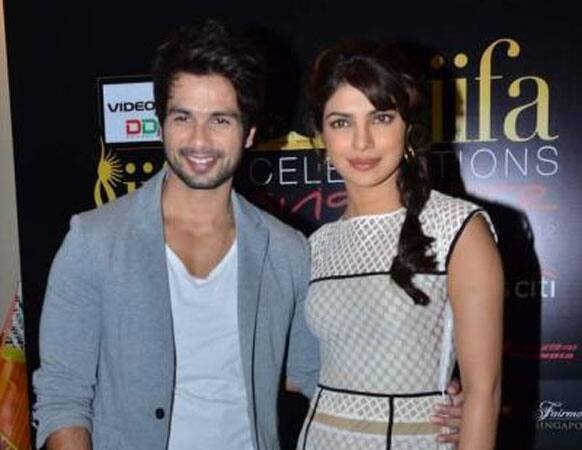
445	217
323	233
445	214
441	204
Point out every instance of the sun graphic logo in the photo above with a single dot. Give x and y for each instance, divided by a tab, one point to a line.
118	173
109	176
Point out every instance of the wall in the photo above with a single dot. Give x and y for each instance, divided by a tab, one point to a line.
9	256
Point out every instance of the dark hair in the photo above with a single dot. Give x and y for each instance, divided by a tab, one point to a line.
389	81
208	48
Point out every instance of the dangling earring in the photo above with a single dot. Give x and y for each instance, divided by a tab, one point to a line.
409	153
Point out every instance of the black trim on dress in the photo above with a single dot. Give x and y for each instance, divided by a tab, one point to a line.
390	423
458	234
391	398
366	274
311	419
378	394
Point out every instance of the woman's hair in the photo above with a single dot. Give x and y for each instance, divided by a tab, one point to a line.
389	81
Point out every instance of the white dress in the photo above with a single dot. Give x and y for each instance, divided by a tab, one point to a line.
385	360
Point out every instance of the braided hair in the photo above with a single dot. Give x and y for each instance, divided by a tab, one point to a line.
389	81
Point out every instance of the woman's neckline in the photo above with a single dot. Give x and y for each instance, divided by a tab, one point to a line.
373	215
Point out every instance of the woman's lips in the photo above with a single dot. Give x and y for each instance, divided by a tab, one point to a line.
363	164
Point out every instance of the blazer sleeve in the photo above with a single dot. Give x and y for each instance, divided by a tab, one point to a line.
303	351
69	340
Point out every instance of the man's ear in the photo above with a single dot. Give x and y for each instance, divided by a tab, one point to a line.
250	137
161	125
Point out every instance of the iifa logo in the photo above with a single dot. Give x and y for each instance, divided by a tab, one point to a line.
485	113
116	177
539	106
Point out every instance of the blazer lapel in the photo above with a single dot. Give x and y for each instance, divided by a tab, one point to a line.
148	240
253	239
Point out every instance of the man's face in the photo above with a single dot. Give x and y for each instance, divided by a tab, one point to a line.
203	133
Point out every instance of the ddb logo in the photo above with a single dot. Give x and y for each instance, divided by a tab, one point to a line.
142	128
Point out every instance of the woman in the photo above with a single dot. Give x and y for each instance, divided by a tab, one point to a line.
392	276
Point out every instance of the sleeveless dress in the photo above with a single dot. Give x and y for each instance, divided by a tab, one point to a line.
385	361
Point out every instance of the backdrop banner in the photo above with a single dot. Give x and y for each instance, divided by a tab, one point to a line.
505	107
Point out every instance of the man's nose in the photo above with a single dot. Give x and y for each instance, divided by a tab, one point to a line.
199	136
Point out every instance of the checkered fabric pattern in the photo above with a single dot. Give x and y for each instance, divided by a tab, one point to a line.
373	337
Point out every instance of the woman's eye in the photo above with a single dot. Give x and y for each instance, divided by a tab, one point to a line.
339	123
383	118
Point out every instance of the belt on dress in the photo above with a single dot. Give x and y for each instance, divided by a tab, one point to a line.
372	427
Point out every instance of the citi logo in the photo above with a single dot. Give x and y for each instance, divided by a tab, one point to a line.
542	288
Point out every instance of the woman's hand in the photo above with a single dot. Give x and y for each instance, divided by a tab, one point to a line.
449	415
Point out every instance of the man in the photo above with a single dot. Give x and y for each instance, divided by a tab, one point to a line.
168	312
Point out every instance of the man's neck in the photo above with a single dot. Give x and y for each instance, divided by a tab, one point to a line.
199	224
198	207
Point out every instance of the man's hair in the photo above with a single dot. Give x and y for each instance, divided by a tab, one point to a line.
208	48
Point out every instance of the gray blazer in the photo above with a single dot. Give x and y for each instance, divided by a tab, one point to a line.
106	341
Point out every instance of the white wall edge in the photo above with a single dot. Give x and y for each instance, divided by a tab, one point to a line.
9	246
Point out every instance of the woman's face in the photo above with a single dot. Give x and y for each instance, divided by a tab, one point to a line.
365	145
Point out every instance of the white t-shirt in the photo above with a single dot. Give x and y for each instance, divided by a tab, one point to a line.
210	405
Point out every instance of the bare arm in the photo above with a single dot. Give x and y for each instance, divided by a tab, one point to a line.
70	438
475	287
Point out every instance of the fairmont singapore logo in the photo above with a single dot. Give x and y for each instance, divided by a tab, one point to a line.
556	415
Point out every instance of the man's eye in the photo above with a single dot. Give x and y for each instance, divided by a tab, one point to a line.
339	123
180	118
221	120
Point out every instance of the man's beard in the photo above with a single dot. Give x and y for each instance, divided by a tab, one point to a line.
204	181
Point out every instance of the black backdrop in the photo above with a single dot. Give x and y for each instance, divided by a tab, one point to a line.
526	174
